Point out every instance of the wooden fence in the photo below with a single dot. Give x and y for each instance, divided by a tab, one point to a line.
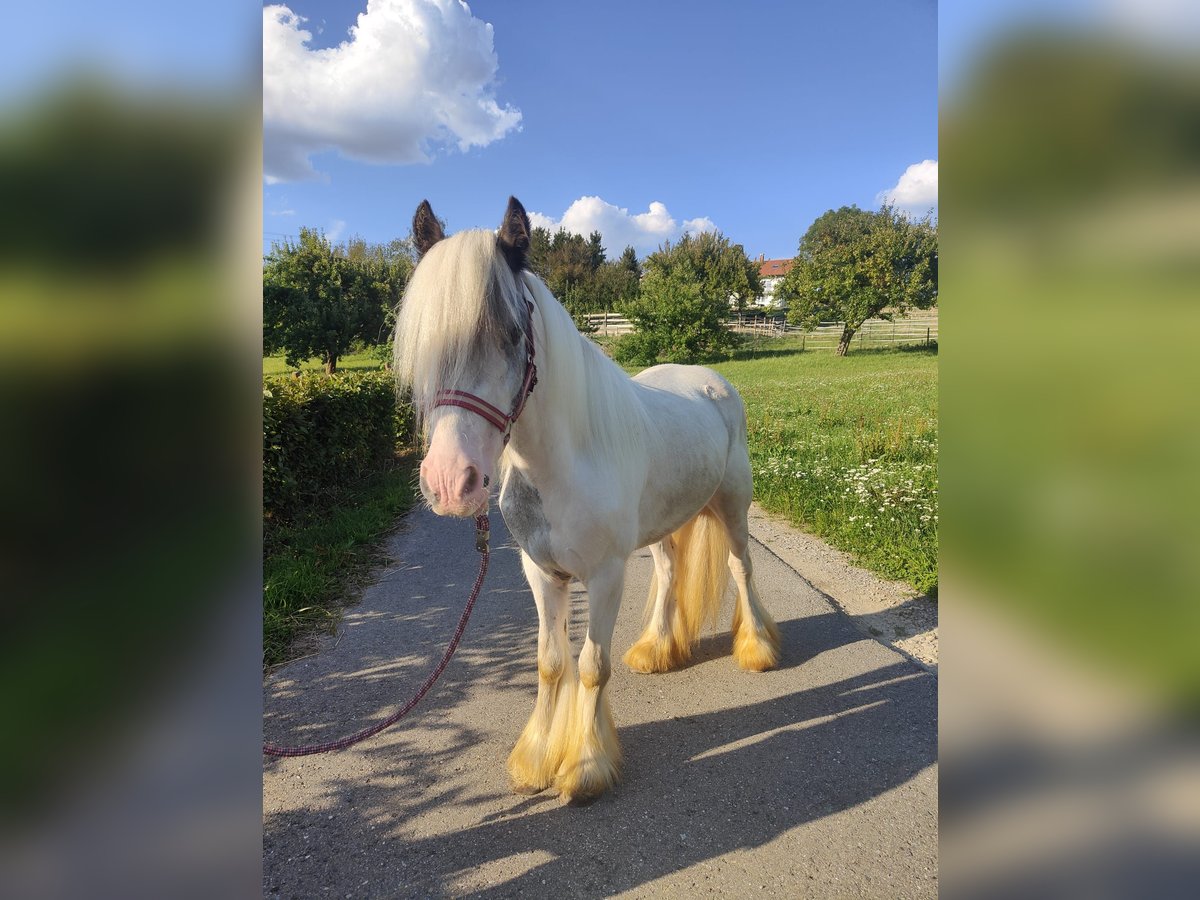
921	328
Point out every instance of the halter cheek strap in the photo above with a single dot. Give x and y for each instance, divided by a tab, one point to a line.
503	422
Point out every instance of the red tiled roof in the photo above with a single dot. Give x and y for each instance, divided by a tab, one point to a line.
774	268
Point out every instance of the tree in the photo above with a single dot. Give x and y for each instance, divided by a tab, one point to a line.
854	264
596	249
721	268
320	300
568	263
614	286
388	268
539	252
676	320
629	261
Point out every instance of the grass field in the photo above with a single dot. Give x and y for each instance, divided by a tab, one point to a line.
847	448
363	360
309	565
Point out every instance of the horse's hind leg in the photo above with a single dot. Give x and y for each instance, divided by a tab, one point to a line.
664	645
755	635
593	755
536	758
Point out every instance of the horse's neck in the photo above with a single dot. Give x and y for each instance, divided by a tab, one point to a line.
543	442
558	429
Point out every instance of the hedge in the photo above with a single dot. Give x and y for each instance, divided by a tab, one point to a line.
322	433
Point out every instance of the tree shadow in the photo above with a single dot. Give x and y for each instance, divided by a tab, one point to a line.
766	353
918	348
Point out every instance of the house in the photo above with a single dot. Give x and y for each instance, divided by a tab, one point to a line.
771	272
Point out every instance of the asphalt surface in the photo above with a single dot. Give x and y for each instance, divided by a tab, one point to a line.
818	779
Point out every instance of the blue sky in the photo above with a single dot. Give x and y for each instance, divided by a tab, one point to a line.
753	118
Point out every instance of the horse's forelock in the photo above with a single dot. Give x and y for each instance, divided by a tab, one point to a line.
462	297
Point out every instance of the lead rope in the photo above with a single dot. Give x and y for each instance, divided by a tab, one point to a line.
482	533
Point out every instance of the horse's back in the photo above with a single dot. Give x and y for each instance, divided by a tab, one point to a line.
696	435
708	390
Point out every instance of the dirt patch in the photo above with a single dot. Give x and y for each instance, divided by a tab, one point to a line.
891	612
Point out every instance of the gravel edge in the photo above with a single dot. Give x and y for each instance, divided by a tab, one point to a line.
890	612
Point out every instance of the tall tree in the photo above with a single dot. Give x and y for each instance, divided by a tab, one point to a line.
320	300
721	267
854	264
539	252
629	261
596	249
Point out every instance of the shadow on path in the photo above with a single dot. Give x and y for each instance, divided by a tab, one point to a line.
424	810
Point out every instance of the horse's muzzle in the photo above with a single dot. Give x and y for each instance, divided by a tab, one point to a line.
456	490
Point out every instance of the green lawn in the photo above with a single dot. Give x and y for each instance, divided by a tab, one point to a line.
363	360
847	448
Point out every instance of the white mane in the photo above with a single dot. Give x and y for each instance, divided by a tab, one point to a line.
587	394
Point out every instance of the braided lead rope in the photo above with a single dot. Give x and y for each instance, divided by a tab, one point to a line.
482	531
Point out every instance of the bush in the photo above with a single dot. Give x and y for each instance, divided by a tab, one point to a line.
638	348
322	433
675	322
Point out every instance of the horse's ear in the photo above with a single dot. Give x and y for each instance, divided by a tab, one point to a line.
514	235
426	229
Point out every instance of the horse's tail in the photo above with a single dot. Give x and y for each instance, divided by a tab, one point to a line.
701	575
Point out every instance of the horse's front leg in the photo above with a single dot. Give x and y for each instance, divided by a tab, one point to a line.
539	752
593	756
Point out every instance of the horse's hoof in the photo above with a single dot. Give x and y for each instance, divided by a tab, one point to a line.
585	781
526	780
756	652
652	656
528	790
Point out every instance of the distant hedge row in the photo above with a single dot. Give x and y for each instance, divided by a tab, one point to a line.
321	433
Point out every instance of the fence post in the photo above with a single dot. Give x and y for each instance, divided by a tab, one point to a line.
926	335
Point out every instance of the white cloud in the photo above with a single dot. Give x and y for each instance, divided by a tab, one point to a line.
414	76
645	231
695	226
916	191
335	229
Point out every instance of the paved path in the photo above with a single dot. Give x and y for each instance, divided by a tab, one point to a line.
818	779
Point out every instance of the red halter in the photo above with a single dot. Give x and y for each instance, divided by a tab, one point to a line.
503	422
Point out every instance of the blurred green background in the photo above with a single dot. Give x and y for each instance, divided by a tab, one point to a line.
1071	426
130	381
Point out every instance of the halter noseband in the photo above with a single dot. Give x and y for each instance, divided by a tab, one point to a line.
501	421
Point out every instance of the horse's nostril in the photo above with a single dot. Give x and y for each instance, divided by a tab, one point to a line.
472	480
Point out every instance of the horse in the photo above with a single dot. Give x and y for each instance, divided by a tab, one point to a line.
591	465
